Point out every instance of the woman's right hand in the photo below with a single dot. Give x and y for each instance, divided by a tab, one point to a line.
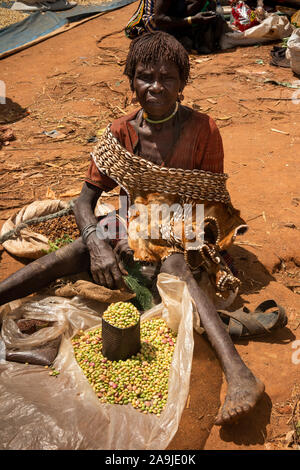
106	268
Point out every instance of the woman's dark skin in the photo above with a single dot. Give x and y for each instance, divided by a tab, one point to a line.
170	24
157	88
105	268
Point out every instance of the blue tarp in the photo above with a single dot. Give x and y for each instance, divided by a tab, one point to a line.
39	25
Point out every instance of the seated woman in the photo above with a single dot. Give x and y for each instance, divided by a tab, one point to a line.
193	22
163	153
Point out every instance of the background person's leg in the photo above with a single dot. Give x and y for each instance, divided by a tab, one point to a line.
71	259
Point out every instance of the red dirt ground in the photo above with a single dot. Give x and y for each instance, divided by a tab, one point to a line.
71	84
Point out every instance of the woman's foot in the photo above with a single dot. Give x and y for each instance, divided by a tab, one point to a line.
243	393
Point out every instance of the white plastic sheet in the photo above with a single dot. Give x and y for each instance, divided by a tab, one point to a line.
38	411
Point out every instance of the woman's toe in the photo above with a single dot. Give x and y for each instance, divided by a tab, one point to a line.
247	407
239	410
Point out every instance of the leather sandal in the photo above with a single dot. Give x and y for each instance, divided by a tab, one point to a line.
245	324
278	57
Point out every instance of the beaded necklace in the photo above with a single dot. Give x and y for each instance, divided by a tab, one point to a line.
145	116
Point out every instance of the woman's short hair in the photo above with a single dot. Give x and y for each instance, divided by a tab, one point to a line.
151	48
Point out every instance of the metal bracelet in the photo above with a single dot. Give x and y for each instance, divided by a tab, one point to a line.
86	231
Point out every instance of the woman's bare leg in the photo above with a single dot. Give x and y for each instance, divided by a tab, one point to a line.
244	389
70	259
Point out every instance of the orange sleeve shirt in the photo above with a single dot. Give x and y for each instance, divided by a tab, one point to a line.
199	147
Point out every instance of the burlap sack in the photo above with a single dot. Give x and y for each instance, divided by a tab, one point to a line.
28	244
89	290
31	245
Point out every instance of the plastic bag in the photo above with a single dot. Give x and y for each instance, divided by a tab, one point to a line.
272	28
293	51
40	347
49	309
43	412
244	17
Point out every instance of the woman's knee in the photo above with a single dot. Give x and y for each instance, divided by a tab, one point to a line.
175	264
77	248
73	257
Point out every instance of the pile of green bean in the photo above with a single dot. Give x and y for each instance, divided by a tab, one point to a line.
141	380
121	314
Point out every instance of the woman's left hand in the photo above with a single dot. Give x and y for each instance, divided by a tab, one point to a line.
204	17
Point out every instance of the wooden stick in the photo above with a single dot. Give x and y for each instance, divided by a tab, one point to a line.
188	401
255	217
275	99
248	243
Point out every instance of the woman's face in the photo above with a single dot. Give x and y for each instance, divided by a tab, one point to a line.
157	87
